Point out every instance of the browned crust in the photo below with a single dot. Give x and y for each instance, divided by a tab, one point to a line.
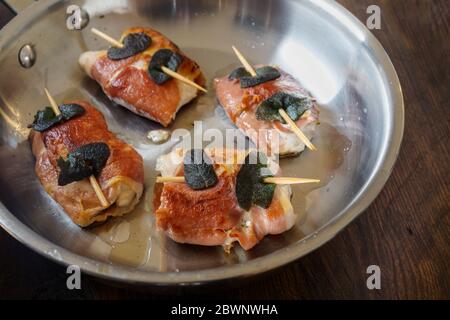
123	168
135	87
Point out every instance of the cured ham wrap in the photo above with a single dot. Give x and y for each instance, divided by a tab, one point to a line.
128	82
213	216
241	105
121	178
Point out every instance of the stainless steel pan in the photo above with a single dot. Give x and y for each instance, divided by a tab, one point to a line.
321	43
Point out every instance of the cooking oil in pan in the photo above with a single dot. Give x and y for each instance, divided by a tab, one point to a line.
135	241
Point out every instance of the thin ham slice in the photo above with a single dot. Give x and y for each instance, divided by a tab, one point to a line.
271	136
212	216
127	82
121	180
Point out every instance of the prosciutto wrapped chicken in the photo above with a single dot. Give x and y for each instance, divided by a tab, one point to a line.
121	179
213	216
129	83
241	105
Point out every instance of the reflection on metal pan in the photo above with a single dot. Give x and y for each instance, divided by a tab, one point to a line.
318	41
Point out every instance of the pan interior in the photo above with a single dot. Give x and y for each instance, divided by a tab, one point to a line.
318	46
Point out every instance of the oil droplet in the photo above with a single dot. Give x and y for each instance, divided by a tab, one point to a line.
158	136
121	232
27	56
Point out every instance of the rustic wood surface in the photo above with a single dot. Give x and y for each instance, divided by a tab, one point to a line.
406	231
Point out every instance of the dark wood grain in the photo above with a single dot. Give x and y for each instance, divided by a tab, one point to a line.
406	231
5	14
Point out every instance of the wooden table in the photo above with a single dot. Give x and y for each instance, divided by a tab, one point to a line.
406	230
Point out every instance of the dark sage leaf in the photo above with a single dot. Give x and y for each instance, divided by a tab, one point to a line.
294	107
71	110
263	74
83	162
263	194
133	44
198	170
239	73
163	57
45	119
250	186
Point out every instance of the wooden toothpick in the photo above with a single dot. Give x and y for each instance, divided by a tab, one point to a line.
274	180
244	62
290	180
182	79
167	71
296	129
94	183
107	38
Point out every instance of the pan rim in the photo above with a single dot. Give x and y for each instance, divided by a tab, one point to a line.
365	196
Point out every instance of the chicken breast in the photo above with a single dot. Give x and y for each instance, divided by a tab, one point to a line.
212	217
271	136
128	83
121	179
